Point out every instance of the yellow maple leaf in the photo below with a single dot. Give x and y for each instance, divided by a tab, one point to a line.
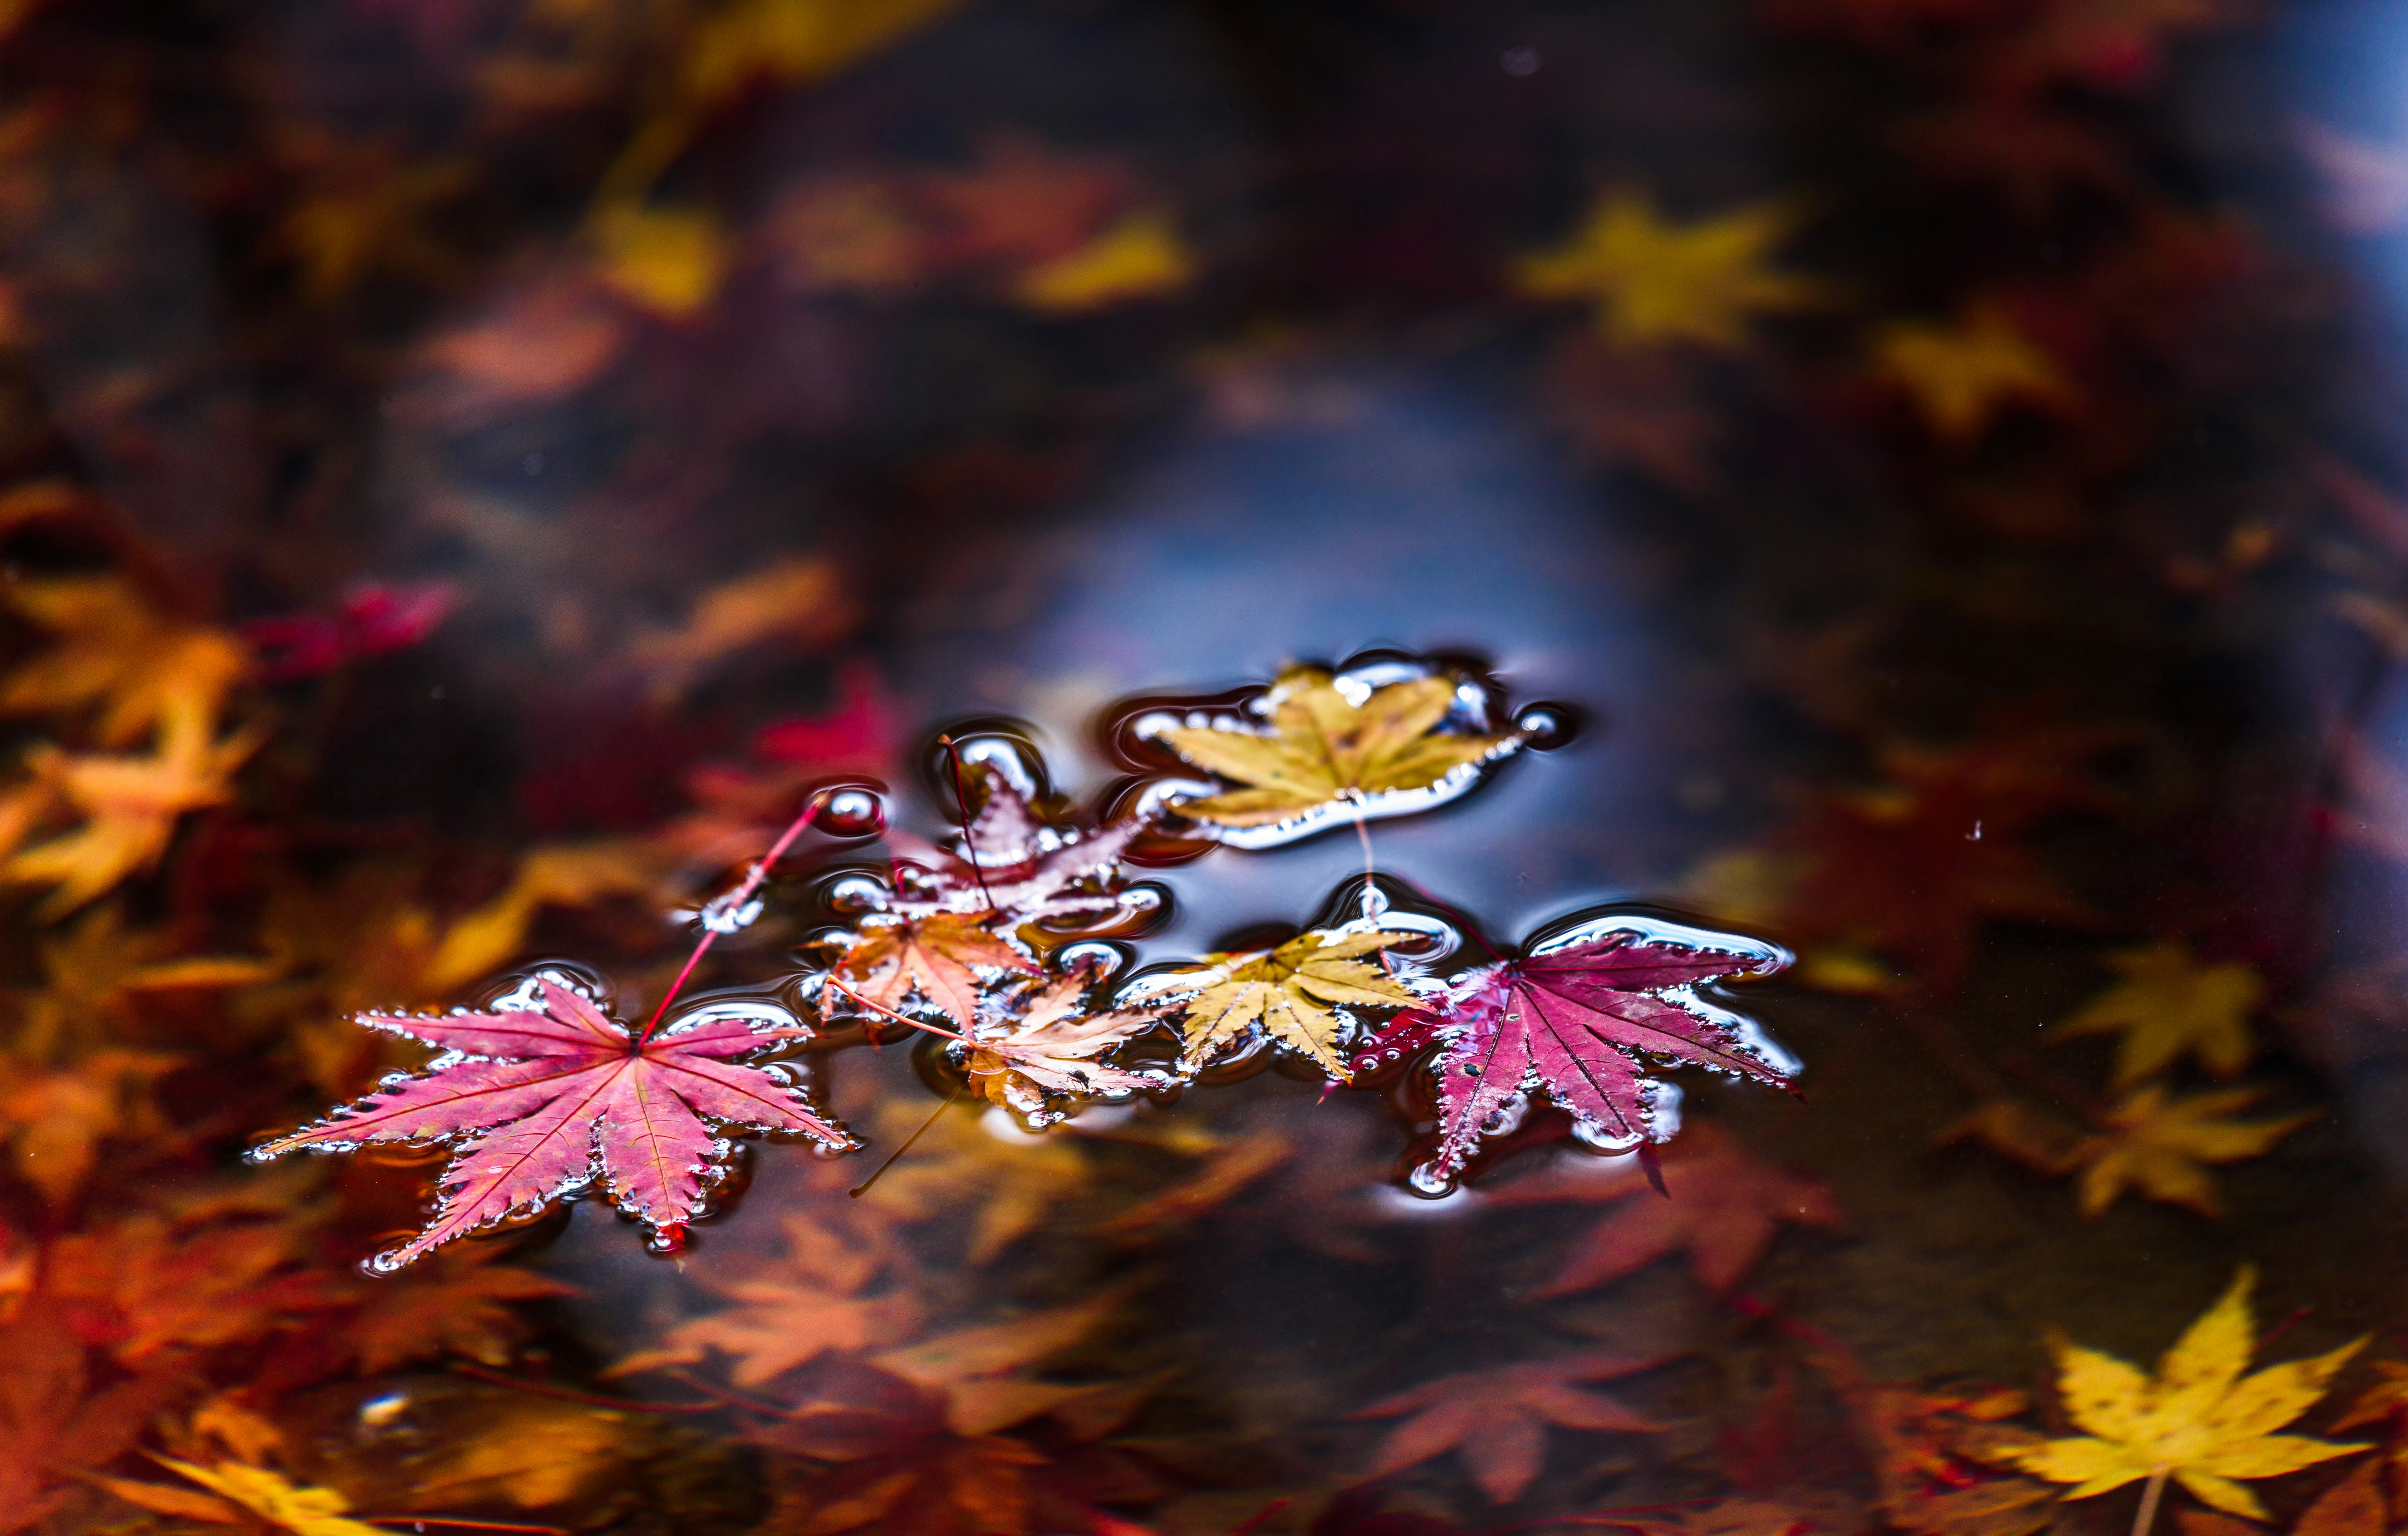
668	260
1290	991
267	1496
537	1455
2198	1419
1655	281
113	650
130	807
803	601
2169	1005
936	958
793	40
2161	1145
1331	743
1140	257
562	875
1960	376
1007	1178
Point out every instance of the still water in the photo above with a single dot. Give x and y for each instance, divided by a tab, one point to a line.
1367	769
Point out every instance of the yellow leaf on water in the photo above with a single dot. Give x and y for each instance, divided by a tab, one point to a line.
1327	744
1291	992
2198	1419
1140	257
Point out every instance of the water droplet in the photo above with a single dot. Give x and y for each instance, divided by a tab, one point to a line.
669	1242
852	814
856	894
1429	1183
1545	727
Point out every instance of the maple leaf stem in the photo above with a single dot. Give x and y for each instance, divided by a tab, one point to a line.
2149	1496
889	1012
743	894
962	798
1363	835
897	1156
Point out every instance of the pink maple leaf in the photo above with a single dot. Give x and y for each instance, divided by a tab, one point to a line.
557	1096
1583	1020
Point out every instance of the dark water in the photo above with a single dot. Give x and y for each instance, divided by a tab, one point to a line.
1955	514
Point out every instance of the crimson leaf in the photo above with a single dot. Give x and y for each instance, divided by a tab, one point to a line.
556	1095
1581	1020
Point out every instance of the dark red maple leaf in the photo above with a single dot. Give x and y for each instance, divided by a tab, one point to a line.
1581	1020
1014	865
1725	1208
557	1094
375	620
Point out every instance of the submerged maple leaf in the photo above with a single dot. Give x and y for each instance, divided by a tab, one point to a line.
1723	1210
1334	739
118	652
818	1298
936	958
1580	1020
2169	1005
2151	1141
1292	991
1498	1419
556	1095
1655	281
239	1494
2198	1419
1960	376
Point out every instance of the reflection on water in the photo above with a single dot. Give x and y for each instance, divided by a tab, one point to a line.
1435	545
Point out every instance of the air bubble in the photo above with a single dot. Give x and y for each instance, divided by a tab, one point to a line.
1430	1182
852	814
853	895
1545	727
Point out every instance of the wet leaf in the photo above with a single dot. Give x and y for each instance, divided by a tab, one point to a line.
1328	745
551	1096
1291	993
269	1497
1581	1022
934	961
2168	1005
1497	1420
2198	1418
1046	1046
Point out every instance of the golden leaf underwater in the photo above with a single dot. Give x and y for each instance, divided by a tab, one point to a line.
2198	1419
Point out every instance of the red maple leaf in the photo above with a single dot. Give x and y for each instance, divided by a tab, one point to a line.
1581	1020
1723	1209
556	1095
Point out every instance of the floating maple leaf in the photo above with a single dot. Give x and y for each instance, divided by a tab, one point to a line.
1291	992
1044	1046
1016	868
2198	1419
936	959
1379	750
1723	1210
556	1095
1580	1019
2169	1005
1497	1419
